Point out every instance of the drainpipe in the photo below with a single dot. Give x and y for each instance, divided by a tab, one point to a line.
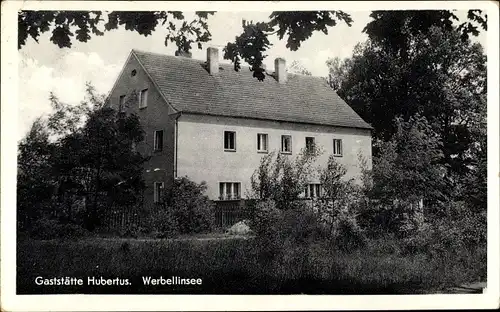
176	140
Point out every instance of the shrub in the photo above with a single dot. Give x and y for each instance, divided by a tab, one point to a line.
281	178
46	228
400	218
409	165
266	218
286	234
192	210
266	227
338	209
164	224
461	230
471	225
135	230
387	244
348	235
302	226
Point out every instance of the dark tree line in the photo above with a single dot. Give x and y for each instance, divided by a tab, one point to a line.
79	161
251	45
417	74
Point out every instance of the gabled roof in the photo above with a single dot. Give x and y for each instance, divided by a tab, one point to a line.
188	87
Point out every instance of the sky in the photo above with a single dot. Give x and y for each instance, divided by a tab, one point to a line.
44	67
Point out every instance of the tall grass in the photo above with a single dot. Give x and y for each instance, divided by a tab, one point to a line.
235	267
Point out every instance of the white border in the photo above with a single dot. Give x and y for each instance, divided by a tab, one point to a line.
12	302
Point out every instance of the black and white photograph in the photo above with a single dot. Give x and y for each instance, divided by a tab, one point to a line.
250	148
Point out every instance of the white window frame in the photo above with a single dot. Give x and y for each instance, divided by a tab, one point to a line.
143	98
262	137
337	153
228	149
313	144
155	142
313	190
229	190
156	196
283	145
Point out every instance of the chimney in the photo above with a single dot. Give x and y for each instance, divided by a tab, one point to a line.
183	54
213	60
280	70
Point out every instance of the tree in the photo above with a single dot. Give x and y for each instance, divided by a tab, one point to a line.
339	193
282	179
98	162
250	45
334	184
396	28
83	153
409	167
297	68
35	181
85	24
337	70
406	174
443	79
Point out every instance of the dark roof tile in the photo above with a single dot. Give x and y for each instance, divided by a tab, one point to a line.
190	88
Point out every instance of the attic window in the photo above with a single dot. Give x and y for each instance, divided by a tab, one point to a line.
133	72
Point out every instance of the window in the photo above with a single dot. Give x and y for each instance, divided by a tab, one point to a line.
229	190
310	145
143	98
158	191
158	143
313	190
121	107
286	144
262	142
337	147
229	141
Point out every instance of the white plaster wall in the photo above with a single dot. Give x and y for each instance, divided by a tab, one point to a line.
201	155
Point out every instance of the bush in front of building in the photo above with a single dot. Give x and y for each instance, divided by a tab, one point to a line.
190	207
282	179
164	224
48	228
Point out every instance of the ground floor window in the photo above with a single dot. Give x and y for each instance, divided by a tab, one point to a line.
313	190
229	190
158	191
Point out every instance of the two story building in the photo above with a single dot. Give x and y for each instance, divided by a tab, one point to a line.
211	123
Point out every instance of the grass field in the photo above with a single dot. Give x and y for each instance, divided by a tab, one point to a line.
234	266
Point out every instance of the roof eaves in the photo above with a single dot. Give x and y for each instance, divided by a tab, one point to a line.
164	96
367	127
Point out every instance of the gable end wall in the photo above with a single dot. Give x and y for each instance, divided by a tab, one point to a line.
158	115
